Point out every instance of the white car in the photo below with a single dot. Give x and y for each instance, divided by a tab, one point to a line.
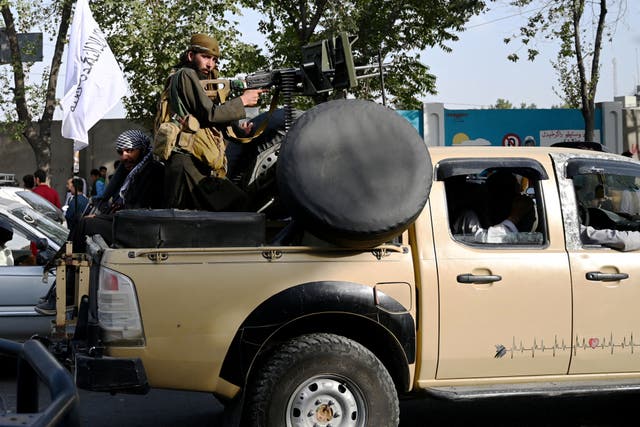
22	285
37	202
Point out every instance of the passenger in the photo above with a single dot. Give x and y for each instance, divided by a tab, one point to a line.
615	239
6	234
508	210
136	184
190	181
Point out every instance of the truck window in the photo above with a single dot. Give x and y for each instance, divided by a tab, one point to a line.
496	206
608	200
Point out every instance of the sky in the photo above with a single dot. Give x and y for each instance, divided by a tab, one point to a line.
477	72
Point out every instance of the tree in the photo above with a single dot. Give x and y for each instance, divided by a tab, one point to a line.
502	104
394	29
525	106
580	26
147	37
20	100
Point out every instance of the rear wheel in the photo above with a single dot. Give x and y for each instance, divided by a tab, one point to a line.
322	380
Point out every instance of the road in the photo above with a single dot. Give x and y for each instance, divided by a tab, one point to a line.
169	408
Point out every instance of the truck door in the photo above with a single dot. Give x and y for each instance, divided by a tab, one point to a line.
505	296
603	194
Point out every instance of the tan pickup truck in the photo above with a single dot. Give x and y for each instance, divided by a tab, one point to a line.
311	333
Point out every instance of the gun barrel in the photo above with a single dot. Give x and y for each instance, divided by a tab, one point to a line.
366	76
374	66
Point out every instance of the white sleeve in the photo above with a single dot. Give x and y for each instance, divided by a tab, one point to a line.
620	240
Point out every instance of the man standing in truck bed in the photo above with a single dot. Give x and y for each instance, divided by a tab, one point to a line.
195	174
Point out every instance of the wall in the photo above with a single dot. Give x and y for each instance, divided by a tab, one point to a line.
18	158
521	127
631	130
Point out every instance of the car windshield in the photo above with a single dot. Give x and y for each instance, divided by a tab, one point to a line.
38	203
49	228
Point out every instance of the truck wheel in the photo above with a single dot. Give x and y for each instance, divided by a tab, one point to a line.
321	380
353	172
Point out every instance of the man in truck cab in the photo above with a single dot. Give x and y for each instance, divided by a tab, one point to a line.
507	211
137	183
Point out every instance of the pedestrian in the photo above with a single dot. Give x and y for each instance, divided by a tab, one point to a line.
103	174
77	204
42	189
28	182
97	183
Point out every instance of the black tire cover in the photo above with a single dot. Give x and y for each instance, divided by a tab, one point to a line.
354	173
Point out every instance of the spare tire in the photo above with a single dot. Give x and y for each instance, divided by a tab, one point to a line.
354	173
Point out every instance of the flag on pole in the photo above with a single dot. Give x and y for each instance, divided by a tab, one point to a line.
94	82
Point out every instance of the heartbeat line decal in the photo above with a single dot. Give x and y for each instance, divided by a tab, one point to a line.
627	344
519	347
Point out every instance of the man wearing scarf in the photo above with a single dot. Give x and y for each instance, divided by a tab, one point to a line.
191	182
136	184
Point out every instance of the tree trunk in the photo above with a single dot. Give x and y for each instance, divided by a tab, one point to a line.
37	134
588	114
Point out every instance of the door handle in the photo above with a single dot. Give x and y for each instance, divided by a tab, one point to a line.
597	276
479	279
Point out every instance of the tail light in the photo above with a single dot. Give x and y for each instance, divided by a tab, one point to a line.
118	312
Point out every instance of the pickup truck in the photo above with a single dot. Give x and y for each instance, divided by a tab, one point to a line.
322	332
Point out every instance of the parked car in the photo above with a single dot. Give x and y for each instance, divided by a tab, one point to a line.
21	285
34	200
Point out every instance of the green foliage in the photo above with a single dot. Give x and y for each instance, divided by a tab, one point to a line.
29	16
525	106
27	108
396	29
502	104
570	92
148	36
580	26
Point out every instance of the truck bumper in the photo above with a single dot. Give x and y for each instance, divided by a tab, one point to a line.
111	374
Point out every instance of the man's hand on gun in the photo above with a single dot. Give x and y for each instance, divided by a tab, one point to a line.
251	97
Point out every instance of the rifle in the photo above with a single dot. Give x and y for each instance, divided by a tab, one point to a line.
325	66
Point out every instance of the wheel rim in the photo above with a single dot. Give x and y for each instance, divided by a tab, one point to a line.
326	400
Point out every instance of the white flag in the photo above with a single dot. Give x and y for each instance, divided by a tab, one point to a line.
94	82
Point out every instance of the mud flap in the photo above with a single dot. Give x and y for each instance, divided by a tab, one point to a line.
111	374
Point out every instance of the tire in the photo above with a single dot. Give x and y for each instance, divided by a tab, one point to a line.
322	379
354	173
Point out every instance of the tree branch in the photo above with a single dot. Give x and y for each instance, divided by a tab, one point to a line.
50	96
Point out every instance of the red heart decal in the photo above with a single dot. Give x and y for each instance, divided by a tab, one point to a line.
593	342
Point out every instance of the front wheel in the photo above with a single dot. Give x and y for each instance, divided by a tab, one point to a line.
322	380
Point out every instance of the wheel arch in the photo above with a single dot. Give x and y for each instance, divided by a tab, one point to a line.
342	308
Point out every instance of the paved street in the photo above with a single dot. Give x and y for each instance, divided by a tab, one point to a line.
169	408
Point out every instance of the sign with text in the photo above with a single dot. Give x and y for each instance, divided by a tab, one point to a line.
30	45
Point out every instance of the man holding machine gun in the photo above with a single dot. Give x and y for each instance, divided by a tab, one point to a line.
195	172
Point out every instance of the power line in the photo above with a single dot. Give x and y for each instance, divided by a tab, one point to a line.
524	12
